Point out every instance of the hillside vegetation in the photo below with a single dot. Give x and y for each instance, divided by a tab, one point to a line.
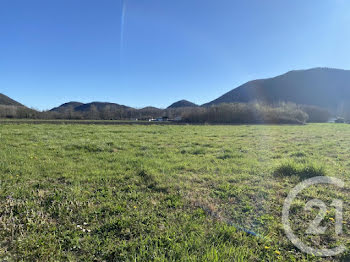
249	113
234	113
182	103
324	87
6	101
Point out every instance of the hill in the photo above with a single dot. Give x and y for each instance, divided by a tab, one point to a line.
324	87
81	107
182	103
5	100
66	106
99	106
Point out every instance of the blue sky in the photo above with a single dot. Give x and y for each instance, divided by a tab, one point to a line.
155	52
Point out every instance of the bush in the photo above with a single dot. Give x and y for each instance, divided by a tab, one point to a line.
283	113
316	114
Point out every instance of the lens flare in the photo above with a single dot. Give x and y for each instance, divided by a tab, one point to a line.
122	26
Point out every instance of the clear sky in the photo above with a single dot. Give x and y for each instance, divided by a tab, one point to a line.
155	52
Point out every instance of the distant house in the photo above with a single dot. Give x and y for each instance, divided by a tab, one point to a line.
332	120
160	119
339	120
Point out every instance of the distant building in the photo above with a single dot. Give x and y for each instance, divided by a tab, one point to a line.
159	119
340	120
332	120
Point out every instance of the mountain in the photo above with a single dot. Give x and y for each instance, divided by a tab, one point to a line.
325	87
149	112
99	106
5	100
66	106
81	107
182	103
151	109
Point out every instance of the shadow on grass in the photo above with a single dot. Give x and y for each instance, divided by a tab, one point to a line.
301	170
151	182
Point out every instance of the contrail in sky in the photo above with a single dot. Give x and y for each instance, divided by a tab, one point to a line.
122	23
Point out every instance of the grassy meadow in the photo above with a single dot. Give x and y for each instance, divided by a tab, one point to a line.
166	193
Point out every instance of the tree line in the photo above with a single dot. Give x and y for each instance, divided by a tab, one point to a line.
255	112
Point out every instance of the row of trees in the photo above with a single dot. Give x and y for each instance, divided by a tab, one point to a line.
19	112
106	113
248	113
110	113
224	113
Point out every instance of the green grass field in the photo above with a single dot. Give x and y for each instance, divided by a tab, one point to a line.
165	193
